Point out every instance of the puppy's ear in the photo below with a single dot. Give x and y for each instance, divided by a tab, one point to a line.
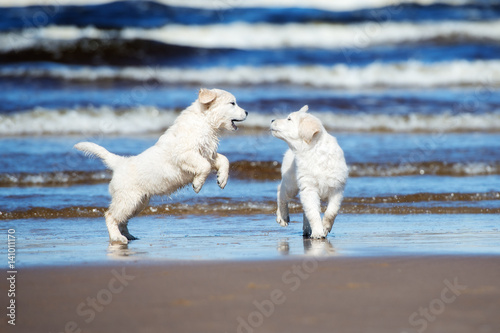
304	109
206	96
308	129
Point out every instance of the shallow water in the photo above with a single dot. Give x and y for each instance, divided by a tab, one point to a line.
251	237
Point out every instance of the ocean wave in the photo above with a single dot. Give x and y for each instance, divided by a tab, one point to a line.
140	120
256	36
405	74
320	36
271	170
418	123
58	178
457	169
426	197
405	204
138	52
87	121
92	51
228	4
264	171
214	206
342	5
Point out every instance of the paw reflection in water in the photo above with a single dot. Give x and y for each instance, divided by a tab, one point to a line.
312	247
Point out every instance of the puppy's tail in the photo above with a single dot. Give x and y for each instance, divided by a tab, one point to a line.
91	149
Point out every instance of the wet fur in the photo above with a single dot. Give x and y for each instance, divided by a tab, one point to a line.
314	167
185	154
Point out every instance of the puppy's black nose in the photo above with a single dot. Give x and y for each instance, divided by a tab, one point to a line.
272	121
246	113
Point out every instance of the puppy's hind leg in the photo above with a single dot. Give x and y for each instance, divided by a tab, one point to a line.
115	235
124	231
123	206
331	211
306	226
287	189
123	227
282	214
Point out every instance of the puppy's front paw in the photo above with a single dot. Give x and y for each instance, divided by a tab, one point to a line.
222	180
197	187
282	222
198	184
317	234
119	239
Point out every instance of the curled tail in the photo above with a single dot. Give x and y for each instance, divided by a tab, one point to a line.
91	149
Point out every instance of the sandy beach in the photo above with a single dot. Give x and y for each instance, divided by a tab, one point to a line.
383	294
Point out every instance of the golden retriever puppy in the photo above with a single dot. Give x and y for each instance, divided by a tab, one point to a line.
186	153
314	166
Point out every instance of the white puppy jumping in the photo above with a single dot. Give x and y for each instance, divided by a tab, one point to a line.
315	166
186	153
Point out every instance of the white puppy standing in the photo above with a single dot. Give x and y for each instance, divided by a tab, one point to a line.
314	166
186	153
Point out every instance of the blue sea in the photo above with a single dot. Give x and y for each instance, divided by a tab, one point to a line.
411	90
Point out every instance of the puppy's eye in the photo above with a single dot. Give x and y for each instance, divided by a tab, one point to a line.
232	103
289	119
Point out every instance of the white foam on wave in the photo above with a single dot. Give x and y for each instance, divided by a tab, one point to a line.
88	121
228	4
359	122
50	37
323	35
407	74
264	36
141	120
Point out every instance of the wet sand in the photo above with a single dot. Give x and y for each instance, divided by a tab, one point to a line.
308	294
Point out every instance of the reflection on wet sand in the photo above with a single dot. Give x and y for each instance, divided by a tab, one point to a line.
318	247
121	251
312	247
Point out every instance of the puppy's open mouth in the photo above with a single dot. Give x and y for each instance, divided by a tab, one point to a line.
233	121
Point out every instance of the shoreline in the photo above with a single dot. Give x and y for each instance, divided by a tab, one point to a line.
354	294
204	238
